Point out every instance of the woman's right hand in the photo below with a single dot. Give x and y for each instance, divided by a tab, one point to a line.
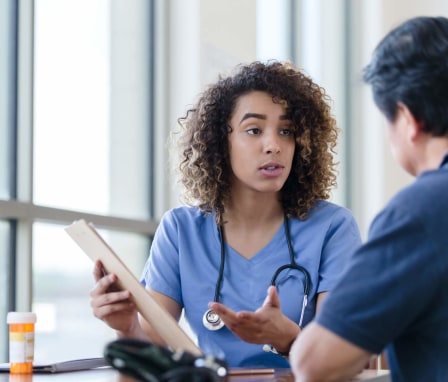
112	304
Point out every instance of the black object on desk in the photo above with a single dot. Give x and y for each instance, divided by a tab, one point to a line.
149	362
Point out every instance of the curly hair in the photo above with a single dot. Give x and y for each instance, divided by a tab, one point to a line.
204	148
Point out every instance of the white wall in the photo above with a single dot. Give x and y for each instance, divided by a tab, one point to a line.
377	176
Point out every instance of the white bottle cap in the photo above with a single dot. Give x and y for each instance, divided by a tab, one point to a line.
21	318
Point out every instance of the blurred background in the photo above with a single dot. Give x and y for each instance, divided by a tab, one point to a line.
89	92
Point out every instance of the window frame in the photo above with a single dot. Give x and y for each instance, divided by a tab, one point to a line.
18	210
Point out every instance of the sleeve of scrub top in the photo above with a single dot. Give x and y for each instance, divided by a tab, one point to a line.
341	241
161	271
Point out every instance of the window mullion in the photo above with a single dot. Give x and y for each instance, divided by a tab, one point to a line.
24	168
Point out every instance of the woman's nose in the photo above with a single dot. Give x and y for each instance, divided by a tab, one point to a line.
272	145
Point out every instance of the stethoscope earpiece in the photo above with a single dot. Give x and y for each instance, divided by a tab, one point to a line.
212	321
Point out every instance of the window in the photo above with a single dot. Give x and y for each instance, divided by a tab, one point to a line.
91	123
76	142
7	94
5	279
71	105
61	287
7	120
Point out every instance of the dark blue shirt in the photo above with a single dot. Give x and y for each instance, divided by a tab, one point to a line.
394	294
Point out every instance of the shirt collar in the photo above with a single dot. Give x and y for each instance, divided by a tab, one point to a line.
444	163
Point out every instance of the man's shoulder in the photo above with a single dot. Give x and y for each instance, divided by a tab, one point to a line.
420	206
429	189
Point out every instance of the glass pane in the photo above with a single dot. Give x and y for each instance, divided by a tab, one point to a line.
5	233
91	151
62	280
7	93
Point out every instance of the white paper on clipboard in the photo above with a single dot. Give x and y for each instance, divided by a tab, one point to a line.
90	241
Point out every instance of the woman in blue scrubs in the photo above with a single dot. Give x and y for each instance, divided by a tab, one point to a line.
257	244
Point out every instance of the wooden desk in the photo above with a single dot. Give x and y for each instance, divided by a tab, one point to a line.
110	375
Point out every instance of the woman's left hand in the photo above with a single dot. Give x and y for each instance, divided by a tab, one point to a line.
267	325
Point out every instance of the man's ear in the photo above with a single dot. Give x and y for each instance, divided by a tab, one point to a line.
414	127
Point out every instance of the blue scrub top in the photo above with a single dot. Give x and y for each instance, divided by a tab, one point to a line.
184	264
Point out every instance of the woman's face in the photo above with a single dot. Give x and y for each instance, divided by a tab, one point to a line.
261	143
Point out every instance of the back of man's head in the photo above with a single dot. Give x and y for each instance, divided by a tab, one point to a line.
410	66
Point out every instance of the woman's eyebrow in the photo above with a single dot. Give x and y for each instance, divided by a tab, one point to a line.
260	116
253	115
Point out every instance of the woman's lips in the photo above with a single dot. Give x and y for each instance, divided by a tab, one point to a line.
272	170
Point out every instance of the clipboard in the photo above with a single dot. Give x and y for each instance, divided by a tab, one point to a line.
90	241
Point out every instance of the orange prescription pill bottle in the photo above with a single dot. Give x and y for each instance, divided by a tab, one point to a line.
21	341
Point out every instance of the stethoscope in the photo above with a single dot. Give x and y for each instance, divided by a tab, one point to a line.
211	319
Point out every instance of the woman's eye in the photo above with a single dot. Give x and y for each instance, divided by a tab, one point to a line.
253	131
286	132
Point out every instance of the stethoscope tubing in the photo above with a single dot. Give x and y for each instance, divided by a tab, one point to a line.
212	321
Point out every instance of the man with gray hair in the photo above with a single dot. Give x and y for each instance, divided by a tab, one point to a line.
393	295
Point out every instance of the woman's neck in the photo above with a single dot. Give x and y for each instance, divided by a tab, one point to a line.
253	210
249	225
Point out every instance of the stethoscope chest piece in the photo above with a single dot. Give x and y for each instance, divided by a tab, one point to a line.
212	321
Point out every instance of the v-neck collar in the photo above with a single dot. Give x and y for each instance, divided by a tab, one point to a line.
267	250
